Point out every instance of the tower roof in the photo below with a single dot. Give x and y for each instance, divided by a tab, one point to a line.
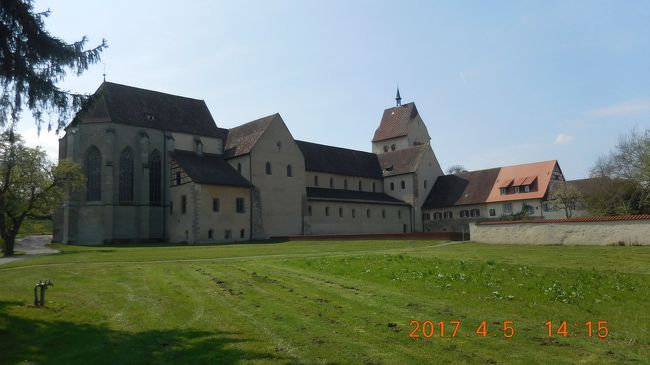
394	122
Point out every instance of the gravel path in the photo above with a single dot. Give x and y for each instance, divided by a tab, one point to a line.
33	246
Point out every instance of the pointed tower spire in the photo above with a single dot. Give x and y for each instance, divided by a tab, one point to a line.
398	98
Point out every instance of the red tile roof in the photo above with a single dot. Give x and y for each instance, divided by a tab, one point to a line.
609	218
520	174
394	122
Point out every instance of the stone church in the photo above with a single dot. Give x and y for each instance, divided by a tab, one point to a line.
158	168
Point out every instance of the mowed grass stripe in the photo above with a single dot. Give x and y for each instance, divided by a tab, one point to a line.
324	307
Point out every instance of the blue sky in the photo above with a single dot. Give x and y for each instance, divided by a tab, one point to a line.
497	83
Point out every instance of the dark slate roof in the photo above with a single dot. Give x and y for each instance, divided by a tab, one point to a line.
350	195
401	161
208	169
394	122
471	187
341	161
588	186
242	139
134	106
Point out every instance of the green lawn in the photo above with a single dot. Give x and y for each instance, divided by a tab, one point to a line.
326	303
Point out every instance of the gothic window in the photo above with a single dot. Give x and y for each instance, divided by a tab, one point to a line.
126	175
268	168
94	174
155	178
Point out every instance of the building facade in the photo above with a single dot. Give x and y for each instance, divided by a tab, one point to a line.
159	169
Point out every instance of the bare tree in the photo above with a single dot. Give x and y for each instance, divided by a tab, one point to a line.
625	174
456	170
566	196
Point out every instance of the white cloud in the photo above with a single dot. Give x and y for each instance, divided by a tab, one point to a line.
564	139
47	141
630	107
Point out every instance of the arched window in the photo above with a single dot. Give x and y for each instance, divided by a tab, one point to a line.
126	175
392	186
403	184
155	178
327	211
289	172
94	174
268	168
368	213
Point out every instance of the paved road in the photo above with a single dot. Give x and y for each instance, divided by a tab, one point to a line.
33	246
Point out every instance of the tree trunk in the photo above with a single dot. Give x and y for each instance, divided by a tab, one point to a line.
9	246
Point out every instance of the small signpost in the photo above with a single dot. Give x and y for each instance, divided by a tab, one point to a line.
43	286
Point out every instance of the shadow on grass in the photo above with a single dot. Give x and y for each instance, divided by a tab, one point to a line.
59	342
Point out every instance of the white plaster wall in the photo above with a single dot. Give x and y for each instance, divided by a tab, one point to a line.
338	180
281	195
574	233
393	222
399	142
185	142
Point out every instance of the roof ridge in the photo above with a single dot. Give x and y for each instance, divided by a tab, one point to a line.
329	146
108	83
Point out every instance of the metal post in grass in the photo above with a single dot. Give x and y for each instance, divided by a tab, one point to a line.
43	286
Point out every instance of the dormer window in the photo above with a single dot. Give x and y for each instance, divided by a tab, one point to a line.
503	191
516	189
527	189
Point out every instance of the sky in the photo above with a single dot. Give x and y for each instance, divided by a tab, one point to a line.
496	82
